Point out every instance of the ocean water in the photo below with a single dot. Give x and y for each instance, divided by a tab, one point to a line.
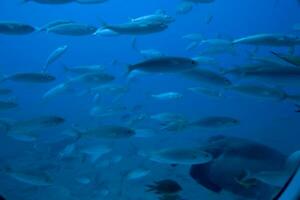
272	122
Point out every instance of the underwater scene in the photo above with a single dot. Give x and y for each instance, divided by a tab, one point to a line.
149	100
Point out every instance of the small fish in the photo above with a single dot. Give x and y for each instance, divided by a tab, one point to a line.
49	1
30	78
5	91
73	29
137	173
183	156
30	177
15	28
108	132
7	105
164	187
292	59
167	96
164	65
55	23
215	122
55	55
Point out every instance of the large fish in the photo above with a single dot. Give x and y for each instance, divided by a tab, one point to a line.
164	65
29	78
15	28
184	156
73	29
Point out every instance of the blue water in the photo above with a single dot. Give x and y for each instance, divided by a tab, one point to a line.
271	122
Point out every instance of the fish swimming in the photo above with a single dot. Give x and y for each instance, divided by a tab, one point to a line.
15	28
292	59
49	1
183	156
208	78
55	55
164	65
215	122
167	96
108	132
29	78
269	40
7	105
73	29
55	23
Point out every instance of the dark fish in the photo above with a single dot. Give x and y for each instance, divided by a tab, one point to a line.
30	77
73	29
294	60
50	1
7	105
164	65
5	91
297	108
15	28
164	187
216	122
136	28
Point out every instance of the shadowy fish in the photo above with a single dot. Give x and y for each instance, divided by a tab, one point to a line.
15	28
73	29
183	156
7	105
29	78
164	65
164	187
215	122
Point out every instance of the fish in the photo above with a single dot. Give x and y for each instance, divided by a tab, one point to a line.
164	65
30	177
159	17
106	32
49	1
146	53
215	122
55	23
136	28
208	78
8	105
292	59
297	108
207	91
79	70
108	132
26	130
273	40
184	7
96	78
94	151
260	91
5	91
182	156
54	56
15	28
164	187
137	173
167	117
280	75
30	77
73	29
167	96
90	1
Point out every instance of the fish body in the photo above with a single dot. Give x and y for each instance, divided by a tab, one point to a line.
216	122
269	40
73	29
30	78
164	65
15	28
